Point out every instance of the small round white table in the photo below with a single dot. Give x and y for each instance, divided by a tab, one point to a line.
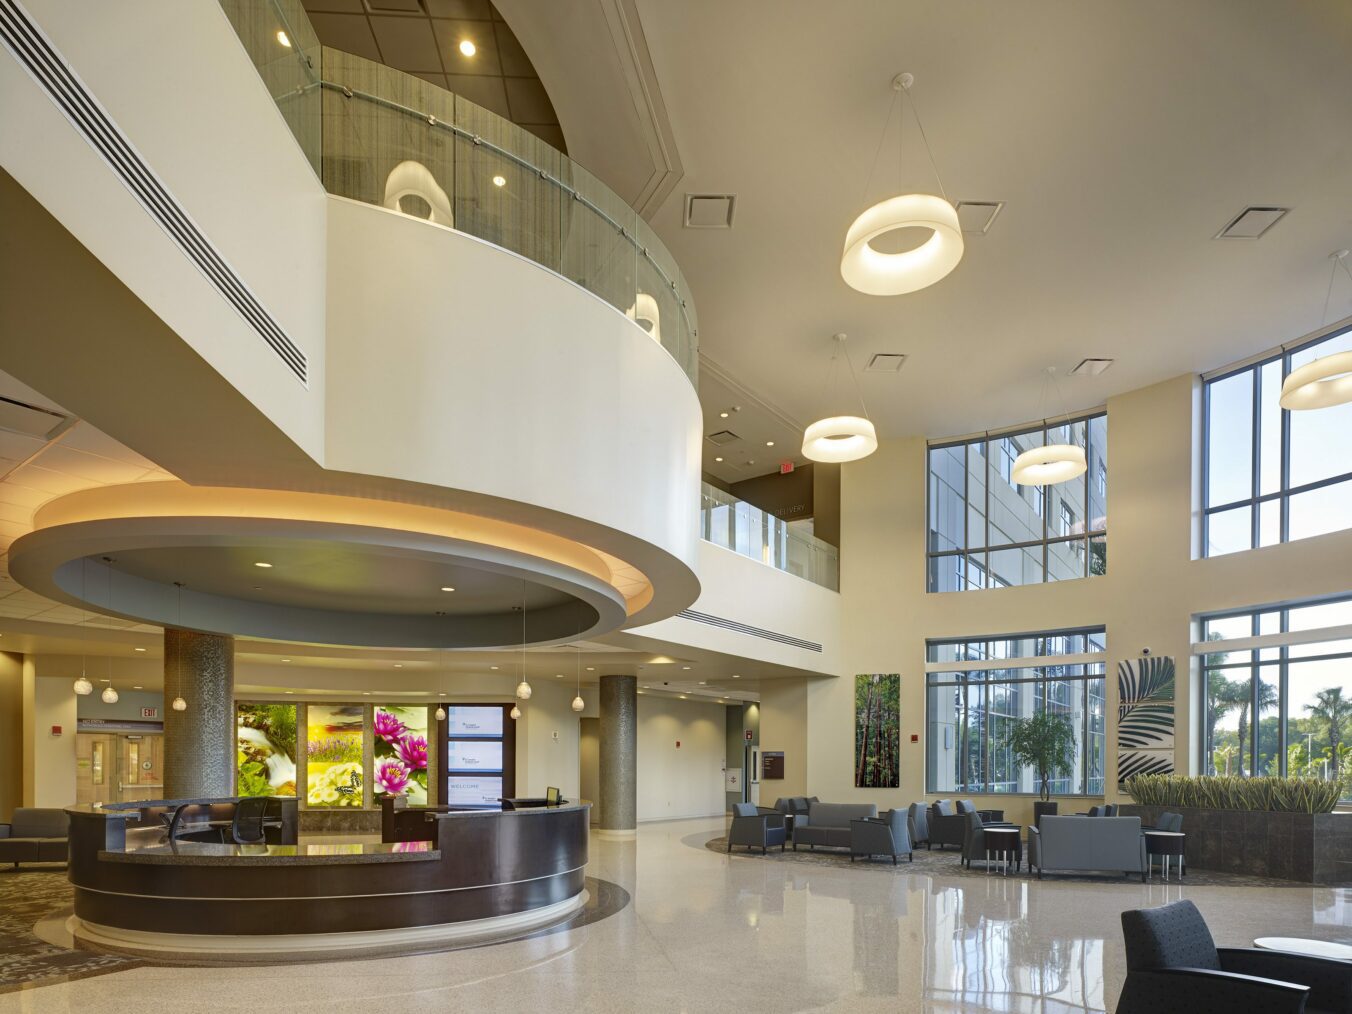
1312	948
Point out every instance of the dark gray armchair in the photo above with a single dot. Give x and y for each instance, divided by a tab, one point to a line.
917	824
756	827
946	825
884	835
1175	967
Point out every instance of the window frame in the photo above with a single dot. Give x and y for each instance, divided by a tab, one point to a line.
1038	680
1048	539
1285	490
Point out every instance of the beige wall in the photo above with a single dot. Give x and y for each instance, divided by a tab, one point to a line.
590	763
1152	590
684	781
11	733
52	760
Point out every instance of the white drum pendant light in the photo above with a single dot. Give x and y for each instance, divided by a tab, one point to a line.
1051	463
840	438
1046	466
875	272
1326	381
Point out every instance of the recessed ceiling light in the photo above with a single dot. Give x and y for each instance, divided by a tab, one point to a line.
703	683
499	181
468	48
769	443
288	691
558	675
722	415
284	39
718	459
262	564
736	675
591	668
682	696
138	649
492	667
286	660
399	665
686	668
138	688
448	588
366	693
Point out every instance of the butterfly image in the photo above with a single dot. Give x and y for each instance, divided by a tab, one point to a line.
348	790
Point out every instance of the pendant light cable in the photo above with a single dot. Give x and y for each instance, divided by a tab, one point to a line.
915	111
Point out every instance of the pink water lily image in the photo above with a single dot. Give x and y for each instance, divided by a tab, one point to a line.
413	751
392	776
389	728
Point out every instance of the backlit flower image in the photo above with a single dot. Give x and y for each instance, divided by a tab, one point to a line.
401	752
388	727
392	777
412	751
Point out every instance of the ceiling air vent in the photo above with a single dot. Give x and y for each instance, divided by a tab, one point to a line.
1251	223
976	217
31	421
885	362
709	211
722	438
1091	367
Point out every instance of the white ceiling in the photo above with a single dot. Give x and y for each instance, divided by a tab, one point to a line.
1121	136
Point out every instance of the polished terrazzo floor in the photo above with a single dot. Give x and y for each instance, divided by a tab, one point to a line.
711	932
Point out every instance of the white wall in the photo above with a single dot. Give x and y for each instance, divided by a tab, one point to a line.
684	781
176	80
53	757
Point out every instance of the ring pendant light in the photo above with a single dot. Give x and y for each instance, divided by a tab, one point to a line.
1328	380
1051	463
874	272
841	438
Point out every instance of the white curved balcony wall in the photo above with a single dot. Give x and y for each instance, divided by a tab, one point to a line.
175	81
455	363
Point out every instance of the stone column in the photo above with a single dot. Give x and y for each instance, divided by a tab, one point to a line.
619	756
199	742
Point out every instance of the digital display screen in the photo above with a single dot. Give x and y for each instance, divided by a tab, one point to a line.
474	790
474	755
465	721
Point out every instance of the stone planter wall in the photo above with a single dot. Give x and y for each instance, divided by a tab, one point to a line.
1314	848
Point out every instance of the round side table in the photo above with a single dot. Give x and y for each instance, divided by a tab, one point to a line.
1165	844
1003	843
1312	948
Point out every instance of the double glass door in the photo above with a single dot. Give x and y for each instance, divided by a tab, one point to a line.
118	767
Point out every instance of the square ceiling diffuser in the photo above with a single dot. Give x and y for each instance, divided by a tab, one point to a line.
1252	223
709	211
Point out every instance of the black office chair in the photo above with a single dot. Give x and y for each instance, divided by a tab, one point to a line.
248	825
1175	967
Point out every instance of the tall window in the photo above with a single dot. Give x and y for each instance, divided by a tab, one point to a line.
986	531
1270	475
1278	691
978	690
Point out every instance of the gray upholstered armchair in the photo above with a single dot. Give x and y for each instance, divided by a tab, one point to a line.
756	827
884	835
1175	967
946	825
917	824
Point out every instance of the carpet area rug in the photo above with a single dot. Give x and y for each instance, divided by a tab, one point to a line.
946	863
27	895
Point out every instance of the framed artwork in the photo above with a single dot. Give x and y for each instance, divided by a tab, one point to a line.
1145	717
877	731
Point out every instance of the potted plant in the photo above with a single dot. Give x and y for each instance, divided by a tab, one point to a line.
1045	743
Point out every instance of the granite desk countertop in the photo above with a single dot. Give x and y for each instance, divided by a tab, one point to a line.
188	853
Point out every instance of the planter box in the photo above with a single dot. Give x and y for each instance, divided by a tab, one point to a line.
1313	848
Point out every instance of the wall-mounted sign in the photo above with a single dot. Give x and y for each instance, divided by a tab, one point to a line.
56	730
772	764
748	735
733	780
150	712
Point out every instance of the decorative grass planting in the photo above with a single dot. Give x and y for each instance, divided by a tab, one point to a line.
1222	792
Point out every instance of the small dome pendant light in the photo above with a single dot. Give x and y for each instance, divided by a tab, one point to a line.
83	687
578	703
843	437
179	704
515	713
109	695
870	270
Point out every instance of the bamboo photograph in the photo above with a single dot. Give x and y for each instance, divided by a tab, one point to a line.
877	731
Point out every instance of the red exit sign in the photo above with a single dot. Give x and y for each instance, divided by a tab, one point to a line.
150	712
785	467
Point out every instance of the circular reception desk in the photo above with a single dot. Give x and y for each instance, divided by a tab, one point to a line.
479	875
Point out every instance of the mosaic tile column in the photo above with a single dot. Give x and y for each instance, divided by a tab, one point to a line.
199	743
619	753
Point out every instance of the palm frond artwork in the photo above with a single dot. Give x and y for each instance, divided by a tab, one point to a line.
1145	716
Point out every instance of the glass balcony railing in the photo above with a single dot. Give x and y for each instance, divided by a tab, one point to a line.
735	524
378	135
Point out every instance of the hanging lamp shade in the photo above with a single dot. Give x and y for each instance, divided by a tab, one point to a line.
523	690
179	704
441	713
1321	384
869	270
83	687
840	438
1046	466
109	695
515	713
578	703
